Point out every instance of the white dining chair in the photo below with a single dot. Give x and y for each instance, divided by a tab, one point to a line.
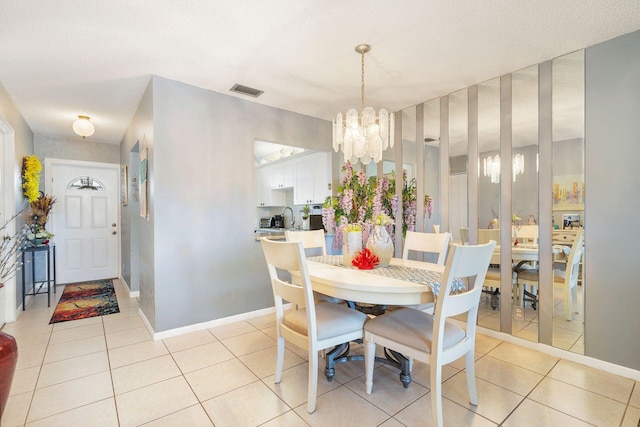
431	244
435	228
312	239
309	325
564	277
428	243
436	340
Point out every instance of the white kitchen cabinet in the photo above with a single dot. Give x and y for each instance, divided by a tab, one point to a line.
284	174
312	179
265	194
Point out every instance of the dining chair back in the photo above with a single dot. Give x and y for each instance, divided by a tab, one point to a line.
567	278
308	325
312	239
487	234
435	228
464	235
435	243
526	233
434	339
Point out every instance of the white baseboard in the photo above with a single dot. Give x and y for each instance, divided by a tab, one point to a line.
612	368
135	294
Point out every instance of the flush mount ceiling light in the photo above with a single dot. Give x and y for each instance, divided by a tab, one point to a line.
363	136
83	126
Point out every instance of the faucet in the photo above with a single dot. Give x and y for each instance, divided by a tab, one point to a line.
293	218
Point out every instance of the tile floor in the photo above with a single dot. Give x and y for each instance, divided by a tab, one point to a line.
106	371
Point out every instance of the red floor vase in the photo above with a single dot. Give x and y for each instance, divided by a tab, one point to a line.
8	361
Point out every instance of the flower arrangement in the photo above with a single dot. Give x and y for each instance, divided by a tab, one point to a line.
36	219
383	219
359	199
31	168
410	204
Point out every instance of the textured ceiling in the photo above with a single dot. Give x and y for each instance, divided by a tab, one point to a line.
59	59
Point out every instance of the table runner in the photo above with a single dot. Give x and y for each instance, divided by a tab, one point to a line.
414	275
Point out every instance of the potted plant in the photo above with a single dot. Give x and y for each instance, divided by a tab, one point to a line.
305	217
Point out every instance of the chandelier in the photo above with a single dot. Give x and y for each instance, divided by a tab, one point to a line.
83	126
492	167
363	136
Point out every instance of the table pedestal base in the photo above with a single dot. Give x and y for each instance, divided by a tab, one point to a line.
340	354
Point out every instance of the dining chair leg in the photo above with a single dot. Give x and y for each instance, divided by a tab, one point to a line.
369	360
313	381
471	377
436	394
279	360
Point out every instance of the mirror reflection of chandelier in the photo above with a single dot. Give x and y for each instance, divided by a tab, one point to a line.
365	135
492	167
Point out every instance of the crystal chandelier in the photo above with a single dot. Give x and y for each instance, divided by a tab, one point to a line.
363	136
492	167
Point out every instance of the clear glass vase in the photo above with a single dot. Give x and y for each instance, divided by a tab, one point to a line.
351	245
381	245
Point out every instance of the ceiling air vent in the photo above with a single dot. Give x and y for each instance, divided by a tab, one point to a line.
246	90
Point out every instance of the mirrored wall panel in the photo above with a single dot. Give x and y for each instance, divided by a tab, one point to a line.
524	197
431	165
568	201
489	198
458	158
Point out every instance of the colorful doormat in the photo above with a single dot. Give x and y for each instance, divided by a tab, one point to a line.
87	299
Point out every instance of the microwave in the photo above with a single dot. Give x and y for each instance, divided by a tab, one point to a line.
315	222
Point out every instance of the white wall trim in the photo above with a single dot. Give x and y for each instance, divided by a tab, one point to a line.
206	325
611	368
8	208
128	289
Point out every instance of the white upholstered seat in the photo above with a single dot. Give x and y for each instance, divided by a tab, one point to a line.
311	326
436	340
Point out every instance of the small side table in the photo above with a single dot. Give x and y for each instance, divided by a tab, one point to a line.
37	285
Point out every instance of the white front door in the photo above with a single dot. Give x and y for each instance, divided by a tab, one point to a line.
85	219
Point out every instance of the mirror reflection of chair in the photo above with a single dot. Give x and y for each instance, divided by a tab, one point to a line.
464	235
564	277
491	284
526	234
435	340
311	326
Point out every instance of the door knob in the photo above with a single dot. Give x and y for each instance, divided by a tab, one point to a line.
113	232
113	225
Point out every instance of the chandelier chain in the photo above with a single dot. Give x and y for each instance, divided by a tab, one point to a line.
362	87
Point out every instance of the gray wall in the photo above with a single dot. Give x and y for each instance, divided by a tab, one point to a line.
137	240
75	149
206	264
612	201
23	147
